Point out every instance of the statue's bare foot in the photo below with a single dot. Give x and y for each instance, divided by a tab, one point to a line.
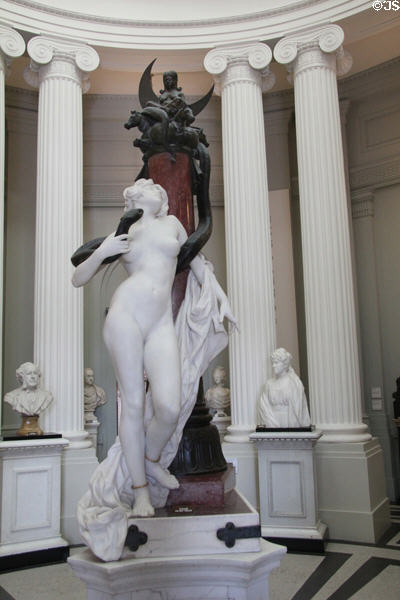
142	506
163	476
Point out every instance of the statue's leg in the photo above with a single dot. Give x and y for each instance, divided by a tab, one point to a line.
124	342
162	364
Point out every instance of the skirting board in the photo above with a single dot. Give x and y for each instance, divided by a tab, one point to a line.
30	559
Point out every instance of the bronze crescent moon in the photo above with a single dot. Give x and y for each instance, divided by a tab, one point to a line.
146	92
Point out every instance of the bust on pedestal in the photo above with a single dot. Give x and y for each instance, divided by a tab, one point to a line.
94	396
29	399
30	480
285	441
283	401
218	399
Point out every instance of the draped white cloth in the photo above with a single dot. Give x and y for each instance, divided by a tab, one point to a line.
104	510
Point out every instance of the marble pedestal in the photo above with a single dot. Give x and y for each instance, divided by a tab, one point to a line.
30	482
92	427
188	529
288	499
241	576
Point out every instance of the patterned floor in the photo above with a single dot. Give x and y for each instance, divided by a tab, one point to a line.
346	570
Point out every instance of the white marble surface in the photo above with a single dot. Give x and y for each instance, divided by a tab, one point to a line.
218	397
242	576
242	74
188	534
288	498
94	396
30	495
315	58
29	398
283	401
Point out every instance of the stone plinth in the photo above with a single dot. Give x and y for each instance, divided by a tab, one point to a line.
92	427
186	530
203	490
288	499
241	576
30	501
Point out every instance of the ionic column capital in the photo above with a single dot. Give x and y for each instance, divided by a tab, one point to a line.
246	63
317	47
12	45
60	59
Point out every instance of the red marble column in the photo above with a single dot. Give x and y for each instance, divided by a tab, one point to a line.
174	177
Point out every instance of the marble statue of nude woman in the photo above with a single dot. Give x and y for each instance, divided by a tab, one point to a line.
140	335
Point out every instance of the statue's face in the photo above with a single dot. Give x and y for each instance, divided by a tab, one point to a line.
279	366
145	196
31	377
219	376
170	80
89	377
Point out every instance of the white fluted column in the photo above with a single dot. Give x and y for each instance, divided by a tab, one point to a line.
315	57
12	45
241	73
59	69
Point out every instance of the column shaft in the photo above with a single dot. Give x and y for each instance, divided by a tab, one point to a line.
58	345
247	226
333	360
12	45
58	331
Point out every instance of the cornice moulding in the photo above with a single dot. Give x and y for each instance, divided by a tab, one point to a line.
21	98
271	23
375	175
371	81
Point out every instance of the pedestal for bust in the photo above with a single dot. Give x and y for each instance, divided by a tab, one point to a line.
30	502
288	499
242	576
92	427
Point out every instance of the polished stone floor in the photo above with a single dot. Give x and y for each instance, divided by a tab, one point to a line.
356	571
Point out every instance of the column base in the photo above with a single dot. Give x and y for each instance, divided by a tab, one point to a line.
344	433
351	490
242	576
239	433
244	458
77	468
77	439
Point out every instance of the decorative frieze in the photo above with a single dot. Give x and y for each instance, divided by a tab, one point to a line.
362	204
373	175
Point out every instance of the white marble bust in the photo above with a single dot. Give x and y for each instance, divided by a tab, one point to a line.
29	398
283	402
218	397
94	396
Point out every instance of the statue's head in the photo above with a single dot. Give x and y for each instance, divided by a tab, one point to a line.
144	193
89	376
281	360
28	376
219	375
170	80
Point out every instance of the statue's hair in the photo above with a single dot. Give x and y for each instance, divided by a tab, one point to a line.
282	355
147	182
219	368
21	371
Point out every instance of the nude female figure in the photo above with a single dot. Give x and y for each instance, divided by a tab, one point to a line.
139	332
